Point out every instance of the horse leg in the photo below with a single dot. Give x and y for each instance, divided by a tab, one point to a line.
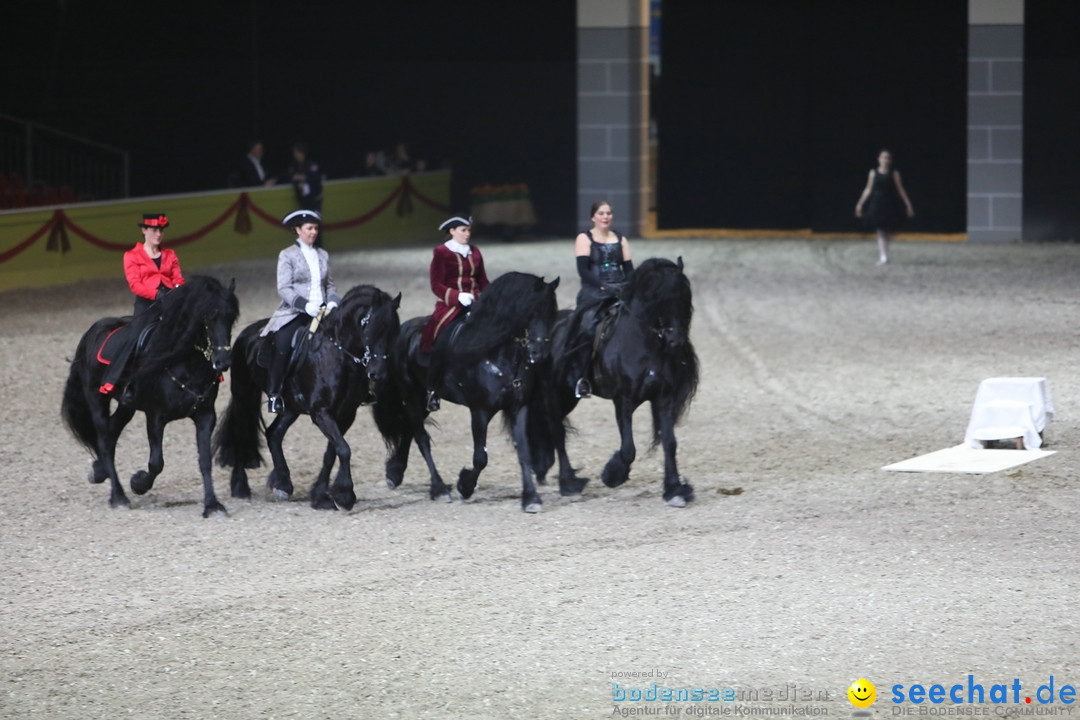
322	482
108	433
676	492
238	482
569	481
466	483
530	498
143	480
280	479
398	462
204	430
342	494
438	489
617	469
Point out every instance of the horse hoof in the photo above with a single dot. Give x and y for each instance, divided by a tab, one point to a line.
678	501
391	484
533	507
280	495
97	473
141	483
215	511
345	503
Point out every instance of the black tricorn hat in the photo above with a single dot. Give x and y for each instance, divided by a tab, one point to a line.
154	221
299	217
456	221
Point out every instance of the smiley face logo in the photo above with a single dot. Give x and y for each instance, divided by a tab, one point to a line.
862	693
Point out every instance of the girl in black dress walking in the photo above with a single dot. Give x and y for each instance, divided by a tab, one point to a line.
882	198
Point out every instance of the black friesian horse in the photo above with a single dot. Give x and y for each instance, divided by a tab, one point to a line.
645	355
344	368
176	375
489	357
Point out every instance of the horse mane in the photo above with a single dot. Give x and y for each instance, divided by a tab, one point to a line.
504	308
182	326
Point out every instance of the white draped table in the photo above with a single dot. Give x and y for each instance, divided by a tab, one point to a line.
1010	407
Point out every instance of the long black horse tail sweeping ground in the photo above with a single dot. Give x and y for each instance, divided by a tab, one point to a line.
75	410
238	440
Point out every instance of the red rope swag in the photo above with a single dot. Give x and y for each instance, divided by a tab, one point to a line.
243	207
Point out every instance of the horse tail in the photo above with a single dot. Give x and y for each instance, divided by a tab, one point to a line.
390	416
238	441
75	409
685	382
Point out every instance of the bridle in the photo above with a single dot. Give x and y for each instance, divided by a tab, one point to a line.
210	349
525	340
368	356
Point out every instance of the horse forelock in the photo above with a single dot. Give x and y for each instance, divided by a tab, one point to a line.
368	305
659	288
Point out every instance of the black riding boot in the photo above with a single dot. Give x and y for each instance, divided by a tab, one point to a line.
123	349
580	338
434	377
276	381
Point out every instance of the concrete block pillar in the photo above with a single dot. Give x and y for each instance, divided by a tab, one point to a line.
995	185
613	110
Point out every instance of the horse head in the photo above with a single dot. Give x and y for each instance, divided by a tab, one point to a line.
367	324
539	325
380	334
199	314
659	294
219	320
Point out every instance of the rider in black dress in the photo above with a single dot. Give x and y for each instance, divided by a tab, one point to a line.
603	264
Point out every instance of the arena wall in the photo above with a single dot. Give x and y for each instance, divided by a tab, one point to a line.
65	244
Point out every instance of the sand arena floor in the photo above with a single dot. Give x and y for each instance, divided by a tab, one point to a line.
800	562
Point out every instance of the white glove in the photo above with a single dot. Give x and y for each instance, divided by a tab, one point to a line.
465	299
330	306
311	309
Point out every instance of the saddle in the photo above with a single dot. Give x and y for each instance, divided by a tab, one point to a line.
414	329
606	315
264	356
119	342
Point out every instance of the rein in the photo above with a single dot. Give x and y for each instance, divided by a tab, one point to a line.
207	352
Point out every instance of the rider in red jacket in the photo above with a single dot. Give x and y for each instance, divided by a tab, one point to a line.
151	271
457	278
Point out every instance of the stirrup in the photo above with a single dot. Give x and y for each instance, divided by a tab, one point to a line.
274	403
582	389
128	396
432	401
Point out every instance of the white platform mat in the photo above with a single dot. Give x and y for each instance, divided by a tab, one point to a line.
963	459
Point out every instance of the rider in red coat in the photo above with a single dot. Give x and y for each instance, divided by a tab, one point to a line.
151	270
457	279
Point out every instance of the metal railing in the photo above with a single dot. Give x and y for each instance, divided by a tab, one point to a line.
42	160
